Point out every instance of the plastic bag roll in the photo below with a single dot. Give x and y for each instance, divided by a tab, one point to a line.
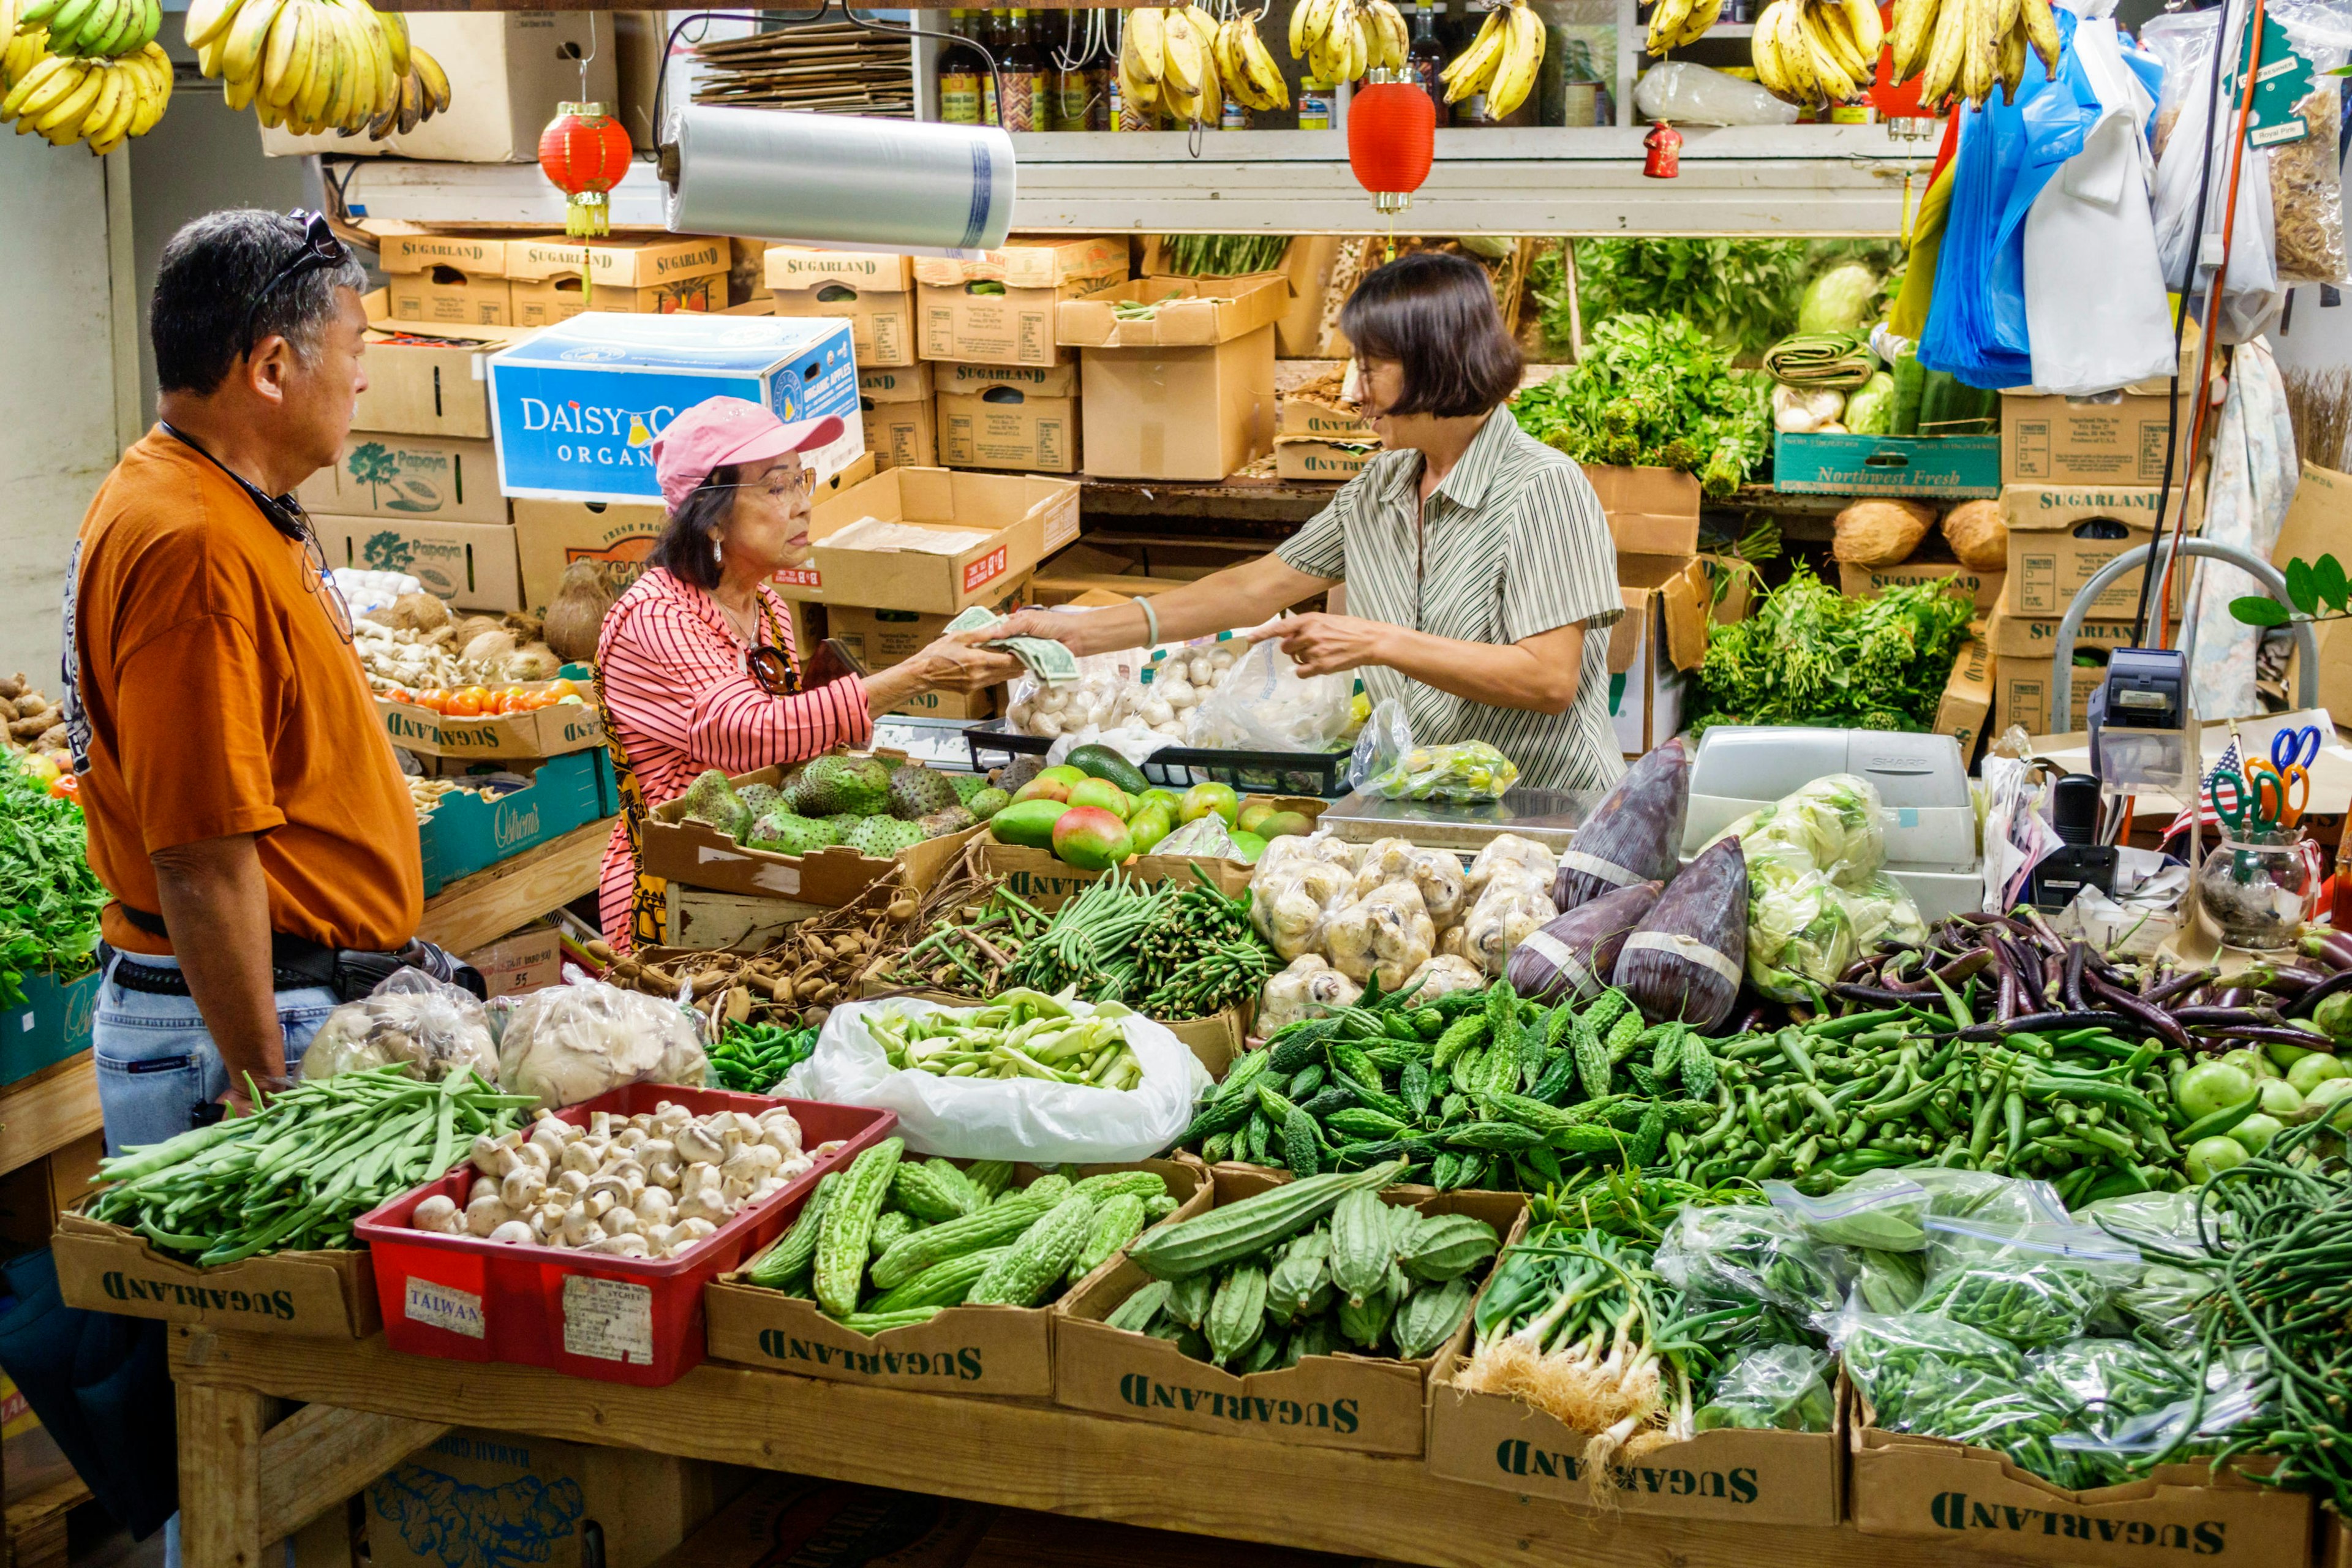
891	184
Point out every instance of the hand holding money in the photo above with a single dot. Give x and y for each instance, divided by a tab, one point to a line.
1048	660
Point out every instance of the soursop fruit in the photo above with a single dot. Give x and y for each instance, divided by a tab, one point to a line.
782	833
985	803
882	837
831	785
837	827
915	792
966	785
711	799
759	800
947	820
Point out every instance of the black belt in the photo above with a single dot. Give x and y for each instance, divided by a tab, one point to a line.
158	980
297	964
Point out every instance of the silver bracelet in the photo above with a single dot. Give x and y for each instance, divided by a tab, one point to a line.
1150	621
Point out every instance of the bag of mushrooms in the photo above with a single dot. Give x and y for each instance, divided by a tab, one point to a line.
648	1185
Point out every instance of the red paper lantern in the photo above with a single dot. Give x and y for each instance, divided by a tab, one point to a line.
585	151
1392	137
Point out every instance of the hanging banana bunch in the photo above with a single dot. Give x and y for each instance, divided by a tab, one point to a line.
1501	61
83	70
1679	24
1252	77
1167	60
1818	51
317	64
1964	48
1341	39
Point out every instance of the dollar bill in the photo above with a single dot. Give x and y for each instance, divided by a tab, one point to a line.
1048	660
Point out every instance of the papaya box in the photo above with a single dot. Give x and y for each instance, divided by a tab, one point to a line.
104	1267
998	1352
1372	1405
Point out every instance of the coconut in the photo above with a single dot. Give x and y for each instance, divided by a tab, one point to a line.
1633	834
491	647
1686	959
1880	533
537	662
575	616
414	612
1977	534
1570	957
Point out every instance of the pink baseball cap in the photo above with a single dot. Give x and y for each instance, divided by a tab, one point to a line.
722	430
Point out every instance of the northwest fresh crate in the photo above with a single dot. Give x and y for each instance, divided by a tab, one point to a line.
468	832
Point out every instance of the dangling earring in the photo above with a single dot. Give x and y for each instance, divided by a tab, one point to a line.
718	557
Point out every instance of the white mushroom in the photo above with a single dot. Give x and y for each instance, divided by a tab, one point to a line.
599	1124
515	1233
585	1155
632	1139
701	1174
522	1187
540	1154
618	1222
572	1181
439	1213
672	1116
485	1214
620	1247
654	1205
705	1203
481	1184
598	1204
686	1232
487	1151
580	1226
696	1145
664	1173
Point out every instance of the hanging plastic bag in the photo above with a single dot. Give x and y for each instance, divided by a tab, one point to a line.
1042	1120
2030	1284
2308	181
2186	42
431	1028
1263	704
1771	1388
1691	94
572	1042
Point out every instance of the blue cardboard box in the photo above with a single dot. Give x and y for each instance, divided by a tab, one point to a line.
467	832
1955	467
52	1024
575	408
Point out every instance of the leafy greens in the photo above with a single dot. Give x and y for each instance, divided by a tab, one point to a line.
1809	655
1742	293
49	898
1652	391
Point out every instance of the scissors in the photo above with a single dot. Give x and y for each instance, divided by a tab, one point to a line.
2256	802
2292	751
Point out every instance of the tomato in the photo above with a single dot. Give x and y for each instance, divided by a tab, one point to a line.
465	704
494	703
396	694
433	701
66	785
558	691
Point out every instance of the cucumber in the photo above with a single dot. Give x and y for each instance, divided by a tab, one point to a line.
1102	762
1028	822
1910	381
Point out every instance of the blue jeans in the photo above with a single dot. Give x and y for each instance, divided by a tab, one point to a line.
157	1062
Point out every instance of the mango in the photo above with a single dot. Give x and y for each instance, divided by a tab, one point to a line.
1248	846
1028	822
1103	796
1204	798
1063	772
1042	788
1283	824
1149	826
1156	795
1253	813
1091	838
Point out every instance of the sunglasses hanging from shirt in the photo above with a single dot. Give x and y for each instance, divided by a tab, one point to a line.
313	66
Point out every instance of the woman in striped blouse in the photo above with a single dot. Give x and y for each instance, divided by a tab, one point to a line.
696	667
1481	580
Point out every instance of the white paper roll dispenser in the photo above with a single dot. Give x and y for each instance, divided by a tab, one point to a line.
1931	824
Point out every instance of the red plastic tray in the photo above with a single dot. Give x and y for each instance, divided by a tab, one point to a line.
618	1320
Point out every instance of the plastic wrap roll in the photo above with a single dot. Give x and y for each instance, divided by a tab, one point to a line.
891	184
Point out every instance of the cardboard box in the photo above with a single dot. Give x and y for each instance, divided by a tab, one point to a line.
633	277
1005	1351
1184	313
2113	438
1972	1498
884	638
901	417
475	255
530	960
1960	466
1025	519
489	1500
1661	636
426	380
1196	413
576	407
549	732
381	474
801	1521
1133	567
105	1267
1307	457
873	290
1300	414
2022	647
470	564
2319	522
1968	697
467	832
964	317
507	71
52	1023
1371	1405
2059	537
1023	417
449	296
1868	581
1652	512
551	535
699	855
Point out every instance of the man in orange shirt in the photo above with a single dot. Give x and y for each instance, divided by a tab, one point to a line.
244	805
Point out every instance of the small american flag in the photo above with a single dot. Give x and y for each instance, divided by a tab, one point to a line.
2205	813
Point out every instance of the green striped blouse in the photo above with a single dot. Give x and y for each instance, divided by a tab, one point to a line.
1512	544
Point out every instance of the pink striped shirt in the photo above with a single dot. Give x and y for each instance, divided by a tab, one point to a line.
684	702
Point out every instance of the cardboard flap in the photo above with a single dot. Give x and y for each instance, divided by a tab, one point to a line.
910	385
1035	266
2060	509
1303	416
868	271
1199	313
1678	586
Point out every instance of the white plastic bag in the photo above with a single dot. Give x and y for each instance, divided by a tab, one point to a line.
1006	1119
430	1027
572	1042
2185	42
1691	94
1263	704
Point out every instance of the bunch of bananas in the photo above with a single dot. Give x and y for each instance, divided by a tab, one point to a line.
317	64
107	29
1167	60
100	100
1818	51
1679	24
1501	61
1966	46
1341	39
1252	77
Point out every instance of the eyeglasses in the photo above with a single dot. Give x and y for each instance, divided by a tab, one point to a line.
318	577
320	249
777	486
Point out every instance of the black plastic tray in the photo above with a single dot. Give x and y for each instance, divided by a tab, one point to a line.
1321	773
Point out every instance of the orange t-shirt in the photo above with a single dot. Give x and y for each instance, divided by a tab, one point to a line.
220	700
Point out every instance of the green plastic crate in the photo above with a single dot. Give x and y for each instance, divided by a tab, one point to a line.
1950	468
54	1023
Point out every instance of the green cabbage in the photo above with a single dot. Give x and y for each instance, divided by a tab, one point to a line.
1870	407
1838	301
1816	896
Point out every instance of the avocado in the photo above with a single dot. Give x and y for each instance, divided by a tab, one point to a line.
1102	762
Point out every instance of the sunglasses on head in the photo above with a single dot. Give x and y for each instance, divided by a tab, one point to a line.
320	249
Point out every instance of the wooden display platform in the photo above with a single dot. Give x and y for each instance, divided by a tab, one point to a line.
508	896
43	1113
245	1483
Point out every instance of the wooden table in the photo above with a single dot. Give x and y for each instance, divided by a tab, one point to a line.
43	1113
498	898
245	1483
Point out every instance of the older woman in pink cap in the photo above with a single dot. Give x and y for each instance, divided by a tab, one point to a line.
696	667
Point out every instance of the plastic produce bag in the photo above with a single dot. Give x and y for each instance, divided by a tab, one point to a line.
430	1027
2308	175
2029	1284
1685	959
1882	1281
1570	955
1881	1210
1310	988
1772	1387
1634	834
2105	1382
2190	1427
1044	1122
1691	94
1507	853
572	1042
1263	704
2185	42
1292	900
1987	1198
1836	824
1506	914
2167	1301
1446	973
1915	1369
1387	932
1435	874
1748	1252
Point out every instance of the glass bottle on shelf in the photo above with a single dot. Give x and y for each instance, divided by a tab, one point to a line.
991	34
961	70
1025	77
1315	104
1427	57
1581	85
